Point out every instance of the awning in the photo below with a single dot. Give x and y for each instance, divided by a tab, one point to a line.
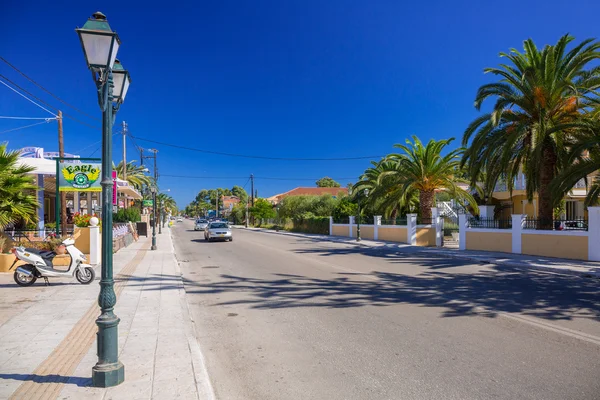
127	190
42	166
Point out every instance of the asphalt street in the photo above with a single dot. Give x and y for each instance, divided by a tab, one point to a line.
289	317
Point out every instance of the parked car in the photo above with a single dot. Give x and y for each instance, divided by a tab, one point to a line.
179	219
201	224
218	231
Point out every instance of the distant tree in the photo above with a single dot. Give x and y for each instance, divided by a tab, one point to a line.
327	182
240	193
262	210
344	208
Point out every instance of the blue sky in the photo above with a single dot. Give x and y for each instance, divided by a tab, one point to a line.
336	78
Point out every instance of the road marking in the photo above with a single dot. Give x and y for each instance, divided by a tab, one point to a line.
52	374
554	328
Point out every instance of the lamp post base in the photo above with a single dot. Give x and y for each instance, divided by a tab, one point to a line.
108	375
153	247
358	239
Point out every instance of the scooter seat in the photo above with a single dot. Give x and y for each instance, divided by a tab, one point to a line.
46	255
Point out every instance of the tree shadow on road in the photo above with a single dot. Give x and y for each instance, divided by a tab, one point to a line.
486	292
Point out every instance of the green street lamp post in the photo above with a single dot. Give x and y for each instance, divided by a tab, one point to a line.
100	45
366	192
153	190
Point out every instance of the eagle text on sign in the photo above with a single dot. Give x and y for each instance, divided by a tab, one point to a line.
84	177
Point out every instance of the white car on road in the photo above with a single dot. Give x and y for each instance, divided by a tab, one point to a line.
201	224
218	231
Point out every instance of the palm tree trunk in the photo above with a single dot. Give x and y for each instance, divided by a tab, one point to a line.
393	215
426	203
545	197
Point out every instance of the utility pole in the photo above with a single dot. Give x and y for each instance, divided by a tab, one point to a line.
252	188
217	205
62	195
251	196
124	158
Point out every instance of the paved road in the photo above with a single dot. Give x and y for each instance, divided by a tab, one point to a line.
286	317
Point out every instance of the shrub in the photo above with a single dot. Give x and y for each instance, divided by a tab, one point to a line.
127	215
318	225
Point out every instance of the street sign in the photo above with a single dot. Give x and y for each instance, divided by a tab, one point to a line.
114	177
147	203
82	177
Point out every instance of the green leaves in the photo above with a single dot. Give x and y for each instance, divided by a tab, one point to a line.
18	201
540	99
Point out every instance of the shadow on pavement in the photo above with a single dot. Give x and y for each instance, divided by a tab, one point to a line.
72	380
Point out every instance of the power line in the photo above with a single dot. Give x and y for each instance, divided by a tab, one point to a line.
44	118
29	126
25	97
256	177
255	156
47	91
46	103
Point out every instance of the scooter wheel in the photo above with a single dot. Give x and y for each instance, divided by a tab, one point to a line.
85	277
24	280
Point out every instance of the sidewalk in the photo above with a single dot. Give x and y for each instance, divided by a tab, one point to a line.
47	334
547	264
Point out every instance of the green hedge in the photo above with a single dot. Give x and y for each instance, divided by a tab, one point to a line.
318	225
127	215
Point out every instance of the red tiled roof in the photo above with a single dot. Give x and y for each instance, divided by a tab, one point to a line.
310	191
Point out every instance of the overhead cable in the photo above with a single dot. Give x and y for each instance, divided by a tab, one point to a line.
29	126
256	177
44	118
27	98
257	156
46	90
46	104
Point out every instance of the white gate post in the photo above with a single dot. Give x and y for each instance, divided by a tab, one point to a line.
350	226
517	228
95	242
437	220
594	233
411	229
330	226
376	225
462	231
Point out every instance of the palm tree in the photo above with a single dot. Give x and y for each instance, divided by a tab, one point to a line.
539	99
17	191
166	204
386	196
136	175
425	170
584	161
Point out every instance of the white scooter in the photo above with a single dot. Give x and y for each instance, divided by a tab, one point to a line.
39	265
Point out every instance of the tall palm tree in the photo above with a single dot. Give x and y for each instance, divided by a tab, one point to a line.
166	204
17	191
584	161
386	196
539	99
136	174
423	168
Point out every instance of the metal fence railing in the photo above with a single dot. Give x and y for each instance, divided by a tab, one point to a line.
366	220
579	224
396	221
341	220
490	223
